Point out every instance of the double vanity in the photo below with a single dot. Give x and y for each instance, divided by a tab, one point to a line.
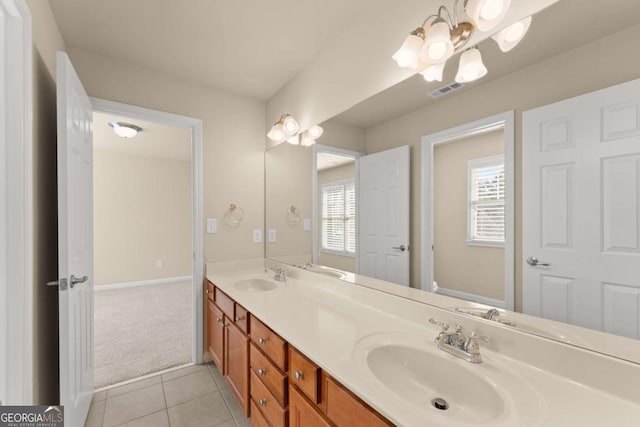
304	349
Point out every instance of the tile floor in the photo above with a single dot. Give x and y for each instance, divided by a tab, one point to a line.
193	396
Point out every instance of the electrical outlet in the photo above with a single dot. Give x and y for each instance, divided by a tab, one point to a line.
272	238
159	263
257	236
212	225
306	224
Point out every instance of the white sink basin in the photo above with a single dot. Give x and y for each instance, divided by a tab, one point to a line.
428	383
256	285
327	271
420	377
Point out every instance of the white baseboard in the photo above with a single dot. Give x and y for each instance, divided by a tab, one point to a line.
99	288
471	297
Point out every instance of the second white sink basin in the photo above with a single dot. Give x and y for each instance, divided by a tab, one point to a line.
449	391
256	285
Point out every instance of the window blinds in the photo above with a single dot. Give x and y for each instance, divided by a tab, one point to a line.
486	202
339	217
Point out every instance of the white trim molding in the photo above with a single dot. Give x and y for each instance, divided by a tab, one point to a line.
16	204
195	125
138	283
505	121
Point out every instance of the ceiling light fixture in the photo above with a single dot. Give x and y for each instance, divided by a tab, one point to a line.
440	36
287	129
125	130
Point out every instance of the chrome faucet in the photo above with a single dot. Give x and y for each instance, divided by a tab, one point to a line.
490	314
457	343
281	275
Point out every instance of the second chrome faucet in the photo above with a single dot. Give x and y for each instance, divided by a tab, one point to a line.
458	343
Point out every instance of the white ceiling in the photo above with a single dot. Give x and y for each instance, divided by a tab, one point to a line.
155	140
559	28
252	47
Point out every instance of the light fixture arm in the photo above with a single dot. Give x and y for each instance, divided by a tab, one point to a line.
452	23
426	20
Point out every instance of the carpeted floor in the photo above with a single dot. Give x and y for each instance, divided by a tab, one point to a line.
141	330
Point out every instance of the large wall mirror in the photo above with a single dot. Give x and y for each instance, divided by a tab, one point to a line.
465	226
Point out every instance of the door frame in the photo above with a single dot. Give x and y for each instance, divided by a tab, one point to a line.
429	142
16	204
315	226
195	125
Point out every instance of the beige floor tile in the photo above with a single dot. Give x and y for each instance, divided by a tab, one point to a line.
182	372
205	411
158	419
98	396
96	414
117	391
188	387
135	404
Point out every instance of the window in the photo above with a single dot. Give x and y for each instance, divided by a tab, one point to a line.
486	201
339	218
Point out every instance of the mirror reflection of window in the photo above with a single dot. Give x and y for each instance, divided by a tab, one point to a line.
485	210
339	217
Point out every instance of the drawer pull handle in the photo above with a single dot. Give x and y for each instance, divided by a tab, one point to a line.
261	340
218	319
261	372
239	318
298	375
262	402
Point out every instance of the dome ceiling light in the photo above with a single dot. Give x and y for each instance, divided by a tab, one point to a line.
125	130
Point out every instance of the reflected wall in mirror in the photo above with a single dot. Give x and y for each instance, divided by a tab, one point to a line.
553	63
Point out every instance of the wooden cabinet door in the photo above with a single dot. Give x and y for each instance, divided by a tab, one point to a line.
302	413
237	360
215	339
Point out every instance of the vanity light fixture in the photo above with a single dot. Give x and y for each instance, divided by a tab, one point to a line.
509	38
428	47
287	129
125	130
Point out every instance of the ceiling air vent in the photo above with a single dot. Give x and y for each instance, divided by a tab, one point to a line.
445	90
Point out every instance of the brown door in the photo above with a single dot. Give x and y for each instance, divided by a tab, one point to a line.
237	359
215	339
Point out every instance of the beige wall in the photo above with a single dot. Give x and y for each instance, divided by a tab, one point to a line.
288	179
342	135
233	128
46	40
478	270
340	173
573	73
142	213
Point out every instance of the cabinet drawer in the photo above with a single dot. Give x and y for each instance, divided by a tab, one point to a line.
344	409
275	414
303	373
269	342
225	303
241	318
270	376
257	419
209	290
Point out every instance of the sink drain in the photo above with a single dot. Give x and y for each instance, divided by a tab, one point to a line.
440	403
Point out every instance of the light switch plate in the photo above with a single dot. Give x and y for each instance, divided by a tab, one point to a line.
257	235
212	225
306	224
272	237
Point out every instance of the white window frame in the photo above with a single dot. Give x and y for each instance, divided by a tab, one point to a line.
477	164
344	252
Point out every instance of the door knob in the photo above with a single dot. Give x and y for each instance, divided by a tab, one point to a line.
533	261
400	248
73	280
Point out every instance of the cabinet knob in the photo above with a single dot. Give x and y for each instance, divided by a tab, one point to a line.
261	340
262	402
207	291
239	318
219	320
298	375
261	372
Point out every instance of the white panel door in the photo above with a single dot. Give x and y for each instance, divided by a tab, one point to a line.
581	210
75	236
383	215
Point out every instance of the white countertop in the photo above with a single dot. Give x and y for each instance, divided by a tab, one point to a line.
333	322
